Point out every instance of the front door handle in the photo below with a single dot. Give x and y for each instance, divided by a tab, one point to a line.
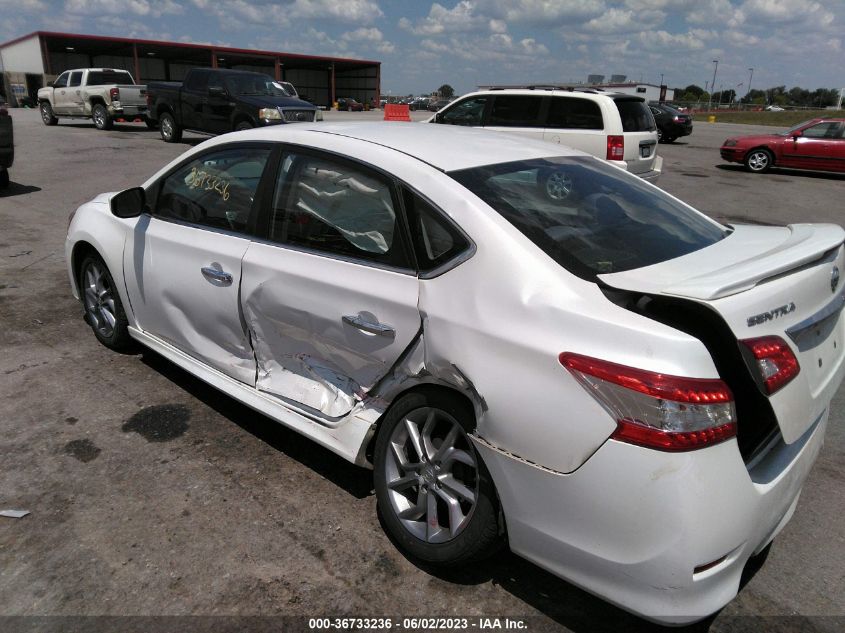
217	276
381	329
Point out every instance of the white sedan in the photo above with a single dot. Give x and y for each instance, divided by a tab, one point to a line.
525	343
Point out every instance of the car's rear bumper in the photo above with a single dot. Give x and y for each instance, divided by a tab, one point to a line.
654	173
632	524
129	111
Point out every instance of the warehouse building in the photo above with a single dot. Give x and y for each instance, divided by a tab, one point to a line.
31	61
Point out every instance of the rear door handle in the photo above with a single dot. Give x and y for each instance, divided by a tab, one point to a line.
216	276
381	329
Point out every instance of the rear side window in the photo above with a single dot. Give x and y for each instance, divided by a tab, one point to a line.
635	115
105	77
336	207
574	114
436	240
515	111
467	112
587	216
214	190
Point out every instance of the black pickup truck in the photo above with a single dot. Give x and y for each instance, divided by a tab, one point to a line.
7	145
215	101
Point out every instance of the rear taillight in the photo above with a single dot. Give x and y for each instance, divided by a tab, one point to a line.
775	361
114	94
667	413
677	119
615	147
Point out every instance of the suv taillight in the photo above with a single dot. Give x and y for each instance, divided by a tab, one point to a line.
615	147
659	411
114	94
775	361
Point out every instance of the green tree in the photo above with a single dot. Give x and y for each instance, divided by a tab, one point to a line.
446	91
694	90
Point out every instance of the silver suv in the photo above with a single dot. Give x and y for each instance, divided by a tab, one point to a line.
610	125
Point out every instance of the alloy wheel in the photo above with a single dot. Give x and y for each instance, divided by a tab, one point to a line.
431	474
99	299
758	161
559	186
166	127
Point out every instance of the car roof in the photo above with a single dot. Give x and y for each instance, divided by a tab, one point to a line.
580	93
445	147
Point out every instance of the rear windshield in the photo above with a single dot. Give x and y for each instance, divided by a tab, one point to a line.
105	77
635	115
590	217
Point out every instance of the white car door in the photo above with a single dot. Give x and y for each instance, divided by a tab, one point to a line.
330	299
577	123
516	114
61	97
183	265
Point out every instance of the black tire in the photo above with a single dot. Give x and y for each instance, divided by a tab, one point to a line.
759	160
47	115
477	534
101	116
169	129
153	125
661	138
669	139
243	125
4	178
99	295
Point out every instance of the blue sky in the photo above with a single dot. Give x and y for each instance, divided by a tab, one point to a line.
425	44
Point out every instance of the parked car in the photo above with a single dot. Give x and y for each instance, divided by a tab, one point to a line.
436	106
219	100
104	95
671	123
349	104
645	430
775	108
817	144
616	127
7	145
419	104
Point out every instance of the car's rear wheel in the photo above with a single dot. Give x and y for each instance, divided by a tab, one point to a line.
103	309
758	160
47	114
102	119
169	129
434	494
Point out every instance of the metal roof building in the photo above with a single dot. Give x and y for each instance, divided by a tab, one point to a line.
29	62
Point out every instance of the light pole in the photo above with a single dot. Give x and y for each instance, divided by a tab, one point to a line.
713	84
750	76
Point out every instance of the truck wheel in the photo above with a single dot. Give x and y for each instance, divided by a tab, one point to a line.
4	178
244	125
101	117
169	129
47	114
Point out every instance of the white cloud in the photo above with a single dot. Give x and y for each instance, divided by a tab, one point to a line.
618	20
356	11
154	8
460	18
363	35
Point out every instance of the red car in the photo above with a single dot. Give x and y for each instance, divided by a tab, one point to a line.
817	144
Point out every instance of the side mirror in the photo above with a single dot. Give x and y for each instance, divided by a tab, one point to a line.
130	203
217	91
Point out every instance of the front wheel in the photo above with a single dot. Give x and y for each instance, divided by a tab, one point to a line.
436	497
47	114
758	160
243	125
169	129
102	118
103	308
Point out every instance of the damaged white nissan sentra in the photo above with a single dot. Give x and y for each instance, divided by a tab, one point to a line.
526	347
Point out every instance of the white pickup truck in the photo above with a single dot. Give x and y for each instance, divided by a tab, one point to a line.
105	95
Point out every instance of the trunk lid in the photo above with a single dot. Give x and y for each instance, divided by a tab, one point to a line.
132	95
639	132
762	281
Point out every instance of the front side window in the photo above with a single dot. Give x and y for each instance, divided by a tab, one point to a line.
466	112
587	216
829	129
574	114
215	190
75	79
336	207
515	111
254	84
61	82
